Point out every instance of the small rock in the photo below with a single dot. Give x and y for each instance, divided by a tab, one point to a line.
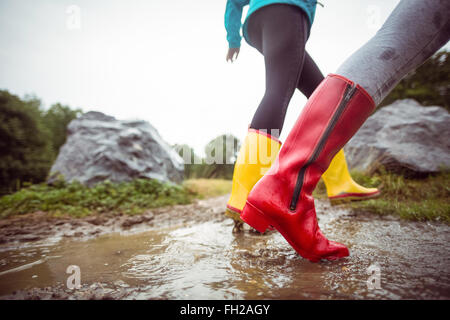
30	237
96	231
96	221
136	220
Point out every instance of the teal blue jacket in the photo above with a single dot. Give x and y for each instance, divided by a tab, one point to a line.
233	15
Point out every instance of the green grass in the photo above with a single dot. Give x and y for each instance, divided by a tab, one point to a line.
414	199
133	197
77	200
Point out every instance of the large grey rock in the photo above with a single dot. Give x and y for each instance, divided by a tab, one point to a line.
99	147
403	137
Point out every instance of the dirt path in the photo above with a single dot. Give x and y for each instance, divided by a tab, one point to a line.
38	226
189	252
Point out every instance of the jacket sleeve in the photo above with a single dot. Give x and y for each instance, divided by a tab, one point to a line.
233	17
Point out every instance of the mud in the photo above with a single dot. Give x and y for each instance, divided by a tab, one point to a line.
190	252
42	226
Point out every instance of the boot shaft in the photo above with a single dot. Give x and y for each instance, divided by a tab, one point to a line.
332	115
283	197
258	152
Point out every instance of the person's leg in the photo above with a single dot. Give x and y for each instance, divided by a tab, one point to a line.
336	110
310	78
283	34
413	32
279	32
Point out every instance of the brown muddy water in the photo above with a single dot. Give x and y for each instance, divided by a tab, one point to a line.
196	256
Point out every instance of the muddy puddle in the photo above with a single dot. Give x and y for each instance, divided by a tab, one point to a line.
196	256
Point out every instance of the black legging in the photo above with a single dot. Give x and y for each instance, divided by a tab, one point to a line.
279	32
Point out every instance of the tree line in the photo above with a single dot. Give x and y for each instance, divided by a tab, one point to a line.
30	138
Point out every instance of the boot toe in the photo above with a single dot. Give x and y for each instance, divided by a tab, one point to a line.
336	251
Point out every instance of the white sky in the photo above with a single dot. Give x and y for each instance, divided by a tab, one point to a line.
160	60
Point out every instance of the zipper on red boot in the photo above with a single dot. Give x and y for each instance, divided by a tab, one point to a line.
348	94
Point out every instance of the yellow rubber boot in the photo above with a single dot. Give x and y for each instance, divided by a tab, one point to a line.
258	151
340	185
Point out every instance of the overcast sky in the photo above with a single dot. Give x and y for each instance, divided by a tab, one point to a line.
159	60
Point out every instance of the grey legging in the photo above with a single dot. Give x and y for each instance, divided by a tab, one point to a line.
413	32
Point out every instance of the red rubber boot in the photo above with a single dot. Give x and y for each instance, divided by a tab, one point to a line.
283	197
